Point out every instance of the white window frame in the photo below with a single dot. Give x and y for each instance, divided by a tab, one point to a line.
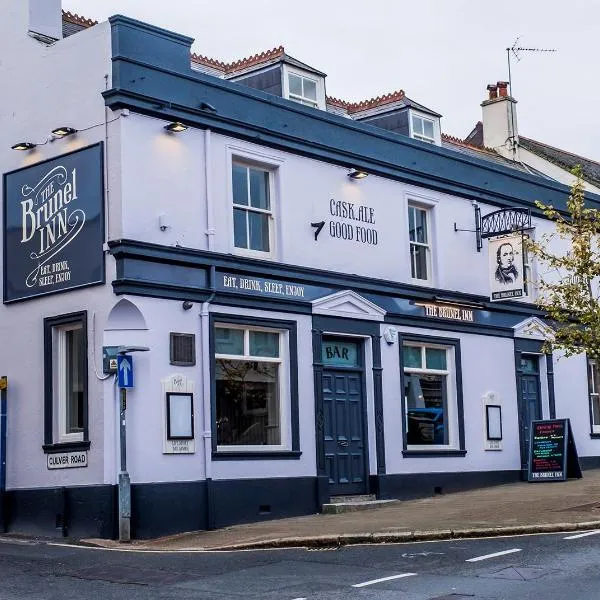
593	392
428	245
59	383
250	157
319	80
422	137
284	392
451	394
302	99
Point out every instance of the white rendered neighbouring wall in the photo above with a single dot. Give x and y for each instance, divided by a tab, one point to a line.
44	87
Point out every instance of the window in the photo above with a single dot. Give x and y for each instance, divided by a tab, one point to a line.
431	396
249	377
251	208
418	233
594	391
302	90
65	341
423	129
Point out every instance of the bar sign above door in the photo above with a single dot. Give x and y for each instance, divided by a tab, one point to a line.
339	354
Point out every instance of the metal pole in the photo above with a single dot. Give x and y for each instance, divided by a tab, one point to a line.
124	481
3	408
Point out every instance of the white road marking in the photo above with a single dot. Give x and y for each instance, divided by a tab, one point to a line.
580	535
486	556
374	581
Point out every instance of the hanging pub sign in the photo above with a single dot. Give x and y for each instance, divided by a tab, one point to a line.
54	225
506	267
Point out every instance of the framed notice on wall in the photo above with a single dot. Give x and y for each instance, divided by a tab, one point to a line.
506	267
54	225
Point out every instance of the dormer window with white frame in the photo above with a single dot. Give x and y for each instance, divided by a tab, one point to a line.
303	87
302	90
422	128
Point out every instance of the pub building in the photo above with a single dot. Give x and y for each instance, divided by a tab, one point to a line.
314	303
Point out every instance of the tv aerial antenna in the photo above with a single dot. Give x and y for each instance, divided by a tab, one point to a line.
516	51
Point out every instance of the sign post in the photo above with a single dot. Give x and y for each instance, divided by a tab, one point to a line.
3	408
125	380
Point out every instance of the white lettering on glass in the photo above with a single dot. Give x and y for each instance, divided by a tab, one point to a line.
50	224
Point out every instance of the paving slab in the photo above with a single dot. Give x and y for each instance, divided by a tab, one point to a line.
517	508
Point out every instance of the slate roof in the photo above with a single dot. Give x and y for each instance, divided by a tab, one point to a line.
562	158
464	147
73	23
256	60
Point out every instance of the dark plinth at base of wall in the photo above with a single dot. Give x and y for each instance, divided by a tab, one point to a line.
419	485
589	462
253	500
166	508
86	511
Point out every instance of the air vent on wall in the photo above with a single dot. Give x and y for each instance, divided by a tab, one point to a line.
183	349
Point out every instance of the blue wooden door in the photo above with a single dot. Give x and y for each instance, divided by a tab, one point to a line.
530	408
344	432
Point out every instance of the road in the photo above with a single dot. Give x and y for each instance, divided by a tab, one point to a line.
543	567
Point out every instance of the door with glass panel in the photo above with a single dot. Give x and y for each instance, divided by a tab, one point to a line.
343	409
530	408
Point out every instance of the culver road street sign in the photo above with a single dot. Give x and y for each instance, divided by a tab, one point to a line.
125	370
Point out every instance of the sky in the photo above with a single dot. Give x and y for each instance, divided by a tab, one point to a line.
442	53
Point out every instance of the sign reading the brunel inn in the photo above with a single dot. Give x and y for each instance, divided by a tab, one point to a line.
54	225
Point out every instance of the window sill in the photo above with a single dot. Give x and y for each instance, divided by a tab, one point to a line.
428	453
252	455
66	447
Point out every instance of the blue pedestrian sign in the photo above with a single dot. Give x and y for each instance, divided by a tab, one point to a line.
125	370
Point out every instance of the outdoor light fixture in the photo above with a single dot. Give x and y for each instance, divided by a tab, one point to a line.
24	146
176	127
357	174
63	131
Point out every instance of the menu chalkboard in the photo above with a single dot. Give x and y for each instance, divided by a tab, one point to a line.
552	451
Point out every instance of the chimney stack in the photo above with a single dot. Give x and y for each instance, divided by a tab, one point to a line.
499	120
45	18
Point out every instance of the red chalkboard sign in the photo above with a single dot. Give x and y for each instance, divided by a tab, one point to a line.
552	451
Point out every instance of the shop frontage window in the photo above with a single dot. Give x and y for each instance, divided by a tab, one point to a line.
249	374
429	396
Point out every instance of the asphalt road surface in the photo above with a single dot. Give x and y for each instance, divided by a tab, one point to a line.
543	567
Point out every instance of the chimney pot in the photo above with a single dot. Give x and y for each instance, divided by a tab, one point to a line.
492	91
503	88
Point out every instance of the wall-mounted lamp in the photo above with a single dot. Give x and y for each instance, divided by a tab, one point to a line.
357	174
63	131
24	146
176	127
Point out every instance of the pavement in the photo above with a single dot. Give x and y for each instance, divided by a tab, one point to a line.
516	508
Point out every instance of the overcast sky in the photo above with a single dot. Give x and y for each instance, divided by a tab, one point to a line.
442	53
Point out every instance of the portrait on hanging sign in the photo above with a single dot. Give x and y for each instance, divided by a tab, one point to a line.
506	267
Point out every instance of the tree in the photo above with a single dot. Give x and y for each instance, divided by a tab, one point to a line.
568	282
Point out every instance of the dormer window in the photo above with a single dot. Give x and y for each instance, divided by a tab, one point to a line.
302	90
423	129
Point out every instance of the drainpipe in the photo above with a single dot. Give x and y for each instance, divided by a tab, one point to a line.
210	230
206	396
